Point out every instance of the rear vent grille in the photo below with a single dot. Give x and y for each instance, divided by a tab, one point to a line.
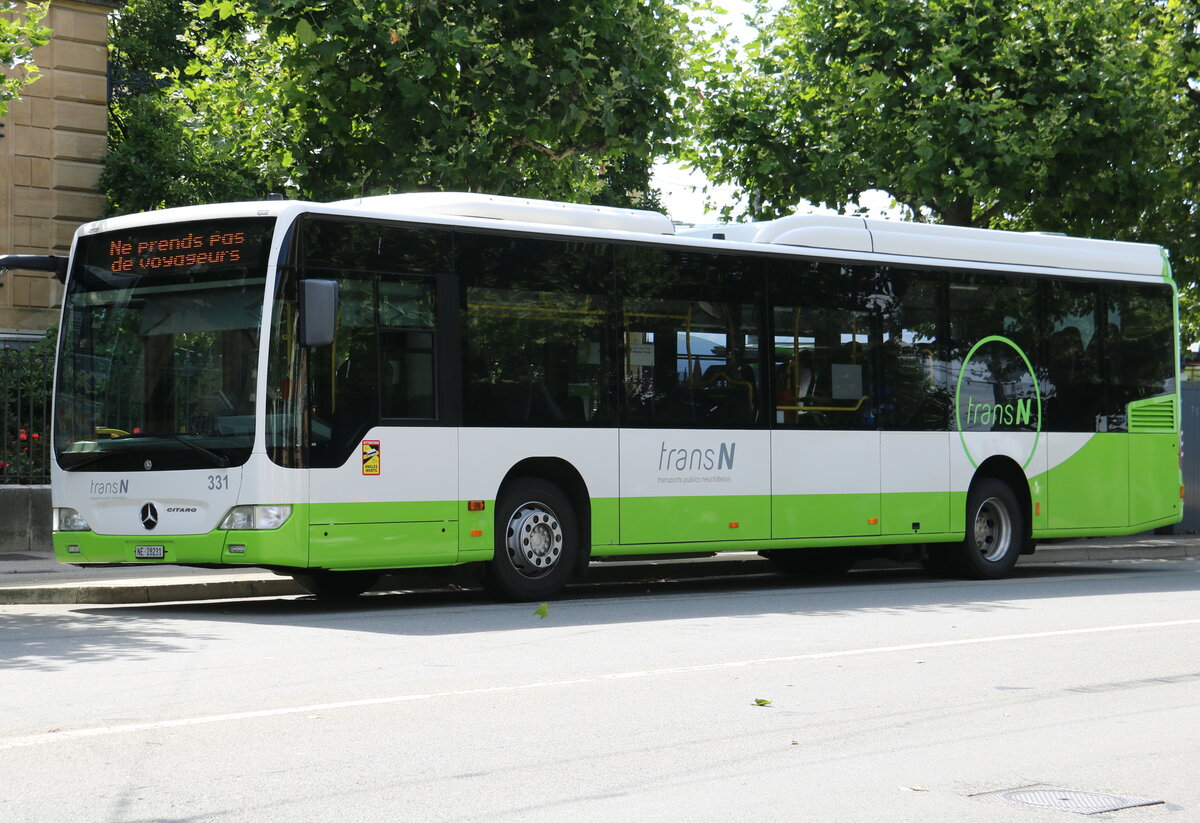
1154	414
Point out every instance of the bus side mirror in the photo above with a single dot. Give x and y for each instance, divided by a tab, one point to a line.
318	312
35	262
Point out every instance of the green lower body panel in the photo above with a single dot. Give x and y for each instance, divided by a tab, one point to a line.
825	515
1115	484
1155	484
348	546
1089	489
286	546
346	536
88	547
691	519
915	513
764	545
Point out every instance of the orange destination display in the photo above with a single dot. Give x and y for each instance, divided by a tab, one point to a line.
190	248
174	252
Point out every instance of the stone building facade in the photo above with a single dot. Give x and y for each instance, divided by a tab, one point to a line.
52	145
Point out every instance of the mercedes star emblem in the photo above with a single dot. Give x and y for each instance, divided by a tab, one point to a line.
149	516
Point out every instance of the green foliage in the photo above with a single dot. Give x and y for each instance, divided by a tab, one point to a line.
162	153
20	33
484	95
336	100
974	113
626	184
144	41
163	156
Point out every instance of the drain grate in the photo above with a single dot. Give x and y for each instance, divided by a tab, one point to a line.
1042	796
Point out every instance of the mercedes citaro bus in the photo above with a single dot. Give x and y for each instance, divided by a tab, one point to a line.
334	391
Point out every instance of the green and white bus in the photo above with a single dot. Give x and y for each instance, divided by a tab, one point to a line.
334	391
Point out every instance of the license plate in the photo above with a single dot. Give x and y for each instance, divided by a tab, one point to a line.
149	552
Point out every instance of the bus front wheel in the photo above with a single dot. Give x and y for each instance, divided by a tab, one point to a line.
537	542
996	532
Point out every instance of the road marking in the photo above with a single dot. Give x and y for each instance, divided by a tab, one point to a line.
101	731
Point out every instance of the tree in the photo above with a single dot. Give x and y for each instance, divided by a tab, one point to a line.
331	100
20	33
1175	224
159	154
1003	113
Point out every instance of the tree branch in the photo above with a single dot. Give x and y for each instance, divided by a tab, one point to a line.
527	142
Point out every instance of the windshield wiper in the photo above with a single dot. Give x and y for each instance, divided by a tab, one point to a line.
91	458
218	460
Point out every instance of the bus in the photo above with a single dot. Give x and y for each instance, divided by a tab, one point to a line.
338	391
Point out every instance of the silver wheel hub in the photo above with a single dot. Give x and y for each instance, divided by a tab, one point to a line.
993	530
534	539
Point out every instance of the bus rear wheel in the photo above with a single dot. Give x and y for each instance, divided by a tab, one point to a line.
537	542
996	532
327	584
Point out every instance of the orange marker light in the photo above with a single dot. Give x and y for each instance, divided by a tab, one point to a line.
873	521
476	532
1037	508
474	505
734	525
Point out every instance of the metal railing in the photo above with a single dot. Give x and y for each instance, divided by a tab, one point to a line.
26	378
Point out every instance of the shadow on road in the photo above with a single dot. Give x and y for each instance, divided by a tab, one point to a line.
67	635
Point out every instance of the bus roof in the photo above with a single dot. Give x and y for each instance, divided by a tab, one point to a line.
861	237
857	234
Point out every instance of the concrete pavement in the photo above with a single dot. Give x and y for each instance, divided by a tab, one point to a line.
34	576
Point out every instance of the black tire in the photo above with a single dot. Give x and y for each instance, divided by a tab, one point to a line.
326	584
537	542
996	532
812	562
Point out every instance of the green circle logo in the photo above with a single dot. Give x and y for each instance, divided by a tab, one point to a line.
995	394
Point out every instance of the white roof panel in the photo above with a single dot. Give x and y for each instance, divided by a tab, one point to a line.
516	209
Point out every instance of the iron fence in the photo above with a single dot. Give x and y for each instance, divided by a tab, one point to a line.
26	377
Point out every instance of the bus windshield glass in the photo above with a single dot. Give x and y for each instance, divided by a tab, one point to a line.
158	349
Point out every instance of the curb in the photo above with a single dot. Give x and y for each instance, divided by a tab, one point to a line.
175	589
133	593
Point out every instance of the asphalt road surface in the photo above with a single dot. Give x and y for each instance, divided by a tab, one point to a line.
883	697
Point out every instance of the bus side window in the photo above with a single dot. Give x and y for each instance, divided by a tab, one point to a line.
822	347
910	392
822	368
691	348
408	374
407	347
1074	367
536	331
1140	344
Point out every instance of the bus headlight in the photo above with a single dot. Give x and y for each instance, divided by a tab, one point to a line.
242	518
69	520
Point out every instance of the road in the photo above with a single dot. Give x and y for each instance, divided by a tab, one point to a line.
888	696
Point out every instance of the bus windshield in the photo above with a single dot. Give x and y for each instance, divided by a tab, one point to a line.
159	347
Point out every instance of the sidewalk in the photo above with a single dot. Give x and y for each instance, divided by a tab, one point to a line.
36	578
